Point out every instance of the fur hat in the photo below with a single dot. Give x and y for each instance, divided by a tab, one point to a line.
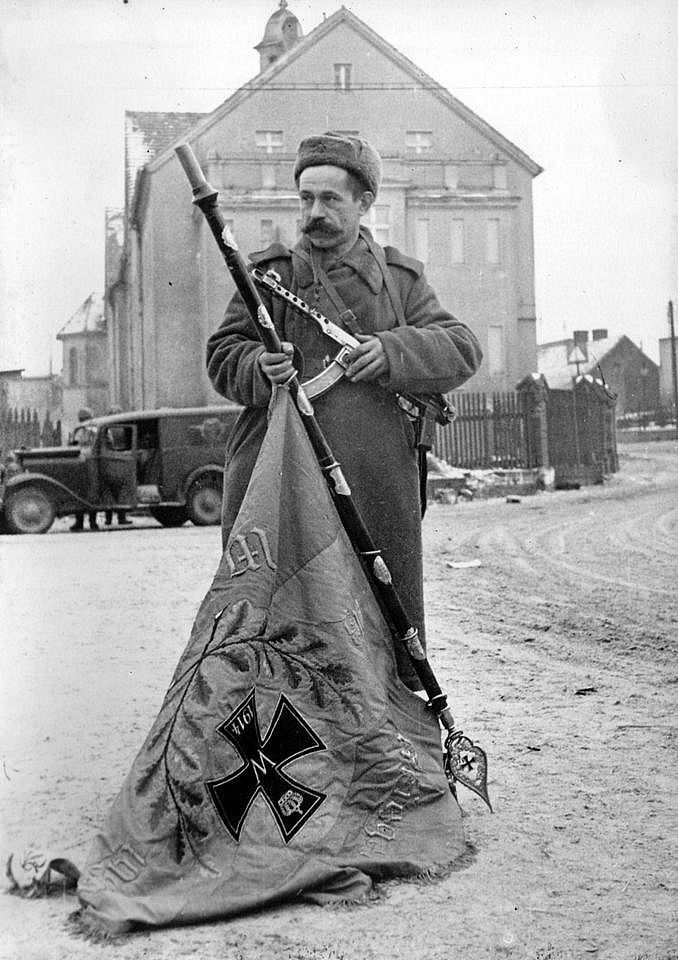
351	153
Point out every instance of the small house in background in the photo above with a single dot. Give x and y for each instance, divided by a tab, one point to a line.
616	361
85	361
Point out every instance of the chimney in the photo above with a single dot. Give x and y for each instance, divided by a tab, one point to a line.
600	333
580	336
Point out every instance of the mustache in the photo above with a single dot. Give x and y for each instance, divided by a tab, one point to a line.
320	228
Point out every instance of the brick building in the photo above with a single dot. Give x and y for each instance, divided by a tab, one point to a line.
455	194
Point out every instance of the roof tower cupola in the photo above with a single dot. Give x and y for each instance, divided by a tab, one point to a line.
281	33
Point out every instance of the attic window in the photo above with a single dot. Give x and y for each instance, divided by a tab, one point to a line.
270	141
342	76
419	141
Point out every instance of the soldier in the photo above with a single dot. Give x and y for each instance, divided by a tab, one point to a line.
123	521
84	413
408	343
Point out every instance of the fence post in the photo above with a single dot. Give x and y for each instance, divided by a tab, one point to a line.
533	393
610	431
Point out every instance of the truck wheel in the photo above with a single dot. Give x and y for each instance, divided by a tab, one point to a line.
29	510
170	516
204	501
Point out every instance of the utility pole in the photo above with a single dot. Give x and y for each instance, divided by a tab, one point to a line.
673	362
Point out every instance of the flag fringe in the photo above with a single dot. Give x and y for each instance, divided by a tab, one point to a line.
438	871
85	925
373	895
427	877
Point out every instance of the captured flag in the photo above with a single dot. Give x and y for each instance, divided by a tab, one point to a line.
287	761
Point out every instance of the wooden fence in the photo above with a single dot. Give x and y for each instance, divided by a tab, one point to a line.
23	428
489	432
572	432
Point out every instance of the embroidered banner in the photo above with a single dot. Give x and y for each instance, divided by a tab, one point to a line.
287	760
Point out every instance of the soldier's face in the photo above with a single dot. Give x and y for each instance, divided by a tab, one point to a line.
330	212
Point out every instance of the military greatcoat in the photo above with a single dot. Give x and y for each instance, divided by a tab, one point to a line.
368	432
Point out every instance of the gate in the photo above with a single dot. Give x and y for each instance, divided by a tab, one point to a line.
582	444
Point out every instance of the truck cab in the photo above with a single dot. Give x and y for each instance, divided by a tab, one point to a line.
167	462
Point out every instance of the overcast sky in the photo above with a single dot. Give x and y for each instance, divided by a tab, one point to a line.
588	88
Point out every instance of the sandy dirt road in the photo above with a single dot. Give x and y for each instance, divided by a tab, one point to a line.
558	651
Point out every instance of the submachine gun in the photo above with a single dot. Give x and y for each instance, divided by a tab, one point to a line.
431	407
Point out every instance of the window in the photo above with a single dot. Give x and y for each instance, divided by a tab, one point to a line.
342	76
266	232
379	222
119	437
492	245
72	366
290	28
495	350
419	141
451	176
268	176
270	141
457	241
421	240
500	181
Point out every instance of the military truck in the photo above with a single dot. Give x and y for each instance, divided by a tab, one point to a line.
167	462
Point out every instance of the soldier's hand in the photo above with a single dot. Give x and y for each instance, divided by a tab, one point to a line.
368	361
278	367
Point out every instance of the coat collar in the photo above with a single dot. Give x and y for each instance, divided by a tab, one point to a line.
359	259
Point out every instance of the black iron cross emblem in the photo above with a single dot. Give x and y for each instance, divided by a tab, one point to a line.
289	737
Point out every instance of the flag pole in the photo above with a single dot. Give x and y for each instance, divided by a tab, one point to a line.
464	762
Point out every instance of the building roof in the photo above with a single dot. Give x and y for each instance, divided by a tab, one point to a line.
418	76
149	133
88	318
554	363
